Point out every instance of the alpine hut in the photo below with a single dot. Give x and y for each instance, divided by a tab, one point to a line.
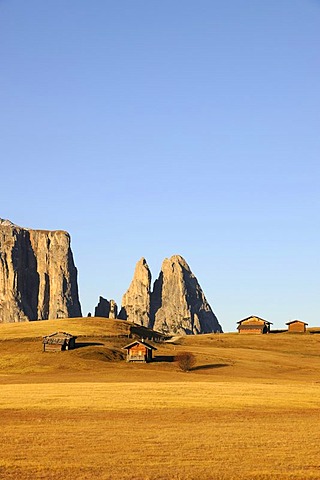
296	326
58	342
139	351
253	325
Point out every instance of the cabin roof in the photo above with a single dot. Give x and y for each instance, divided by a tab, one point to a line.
255	316
59	335
296	321
136	342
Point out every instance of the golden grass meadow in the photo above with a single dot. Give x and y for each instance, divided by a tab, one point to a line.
249	409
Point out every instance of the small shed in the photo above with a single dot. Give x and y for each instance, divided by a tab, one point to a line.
297	326
139	351
58	342
253	324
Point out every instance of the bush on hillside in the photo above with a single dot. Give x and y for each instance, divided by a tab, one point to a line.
185	361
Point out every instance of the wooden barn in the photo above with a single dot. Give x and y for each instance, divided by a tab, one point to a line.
139	351
297	326
254	325
58	342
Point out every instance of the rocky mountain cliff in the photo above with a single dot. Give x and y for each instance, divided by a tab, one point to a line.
106	308
176	305
38	278
135	305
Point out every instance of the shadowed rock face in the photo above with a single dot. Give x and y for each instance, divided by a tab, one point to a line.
176	305
106	308
38	278
178	302
135	305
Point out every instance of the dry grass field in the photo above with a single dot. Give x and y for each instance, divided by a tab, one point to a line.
248	410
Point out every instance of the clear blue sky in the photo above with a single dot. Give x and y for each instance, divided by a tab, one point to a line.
152	128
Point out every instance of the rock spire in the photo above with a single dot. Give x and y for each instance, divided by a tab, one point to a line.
135	305
106	308
177	304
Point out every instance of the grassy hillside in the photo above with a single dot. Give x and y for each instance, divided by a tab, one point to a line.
247	411
86	326
279	356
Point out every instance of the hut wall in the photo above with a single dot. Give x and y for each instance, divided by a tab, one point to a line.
52	347
257	330
71	344
137	353
297	327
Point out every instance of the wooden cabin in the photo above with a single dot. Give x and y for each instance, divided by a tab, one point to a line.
58	342
139	351
253	325
297	326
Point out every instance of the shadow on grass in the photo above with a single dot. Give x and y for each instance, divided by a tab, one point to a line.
86	344
163	358
209	366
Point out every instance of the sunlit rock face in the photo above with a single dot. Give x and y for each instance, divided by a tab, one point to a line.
179	305
38	277
135	305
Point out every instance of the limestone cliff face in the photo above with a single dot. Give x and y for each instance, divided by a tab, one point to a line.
178	302
38	278
135	305
113	312
106	308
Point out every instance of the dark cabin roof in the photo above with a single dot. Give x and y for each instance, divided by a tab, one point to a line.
136	342
255	316
296	321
